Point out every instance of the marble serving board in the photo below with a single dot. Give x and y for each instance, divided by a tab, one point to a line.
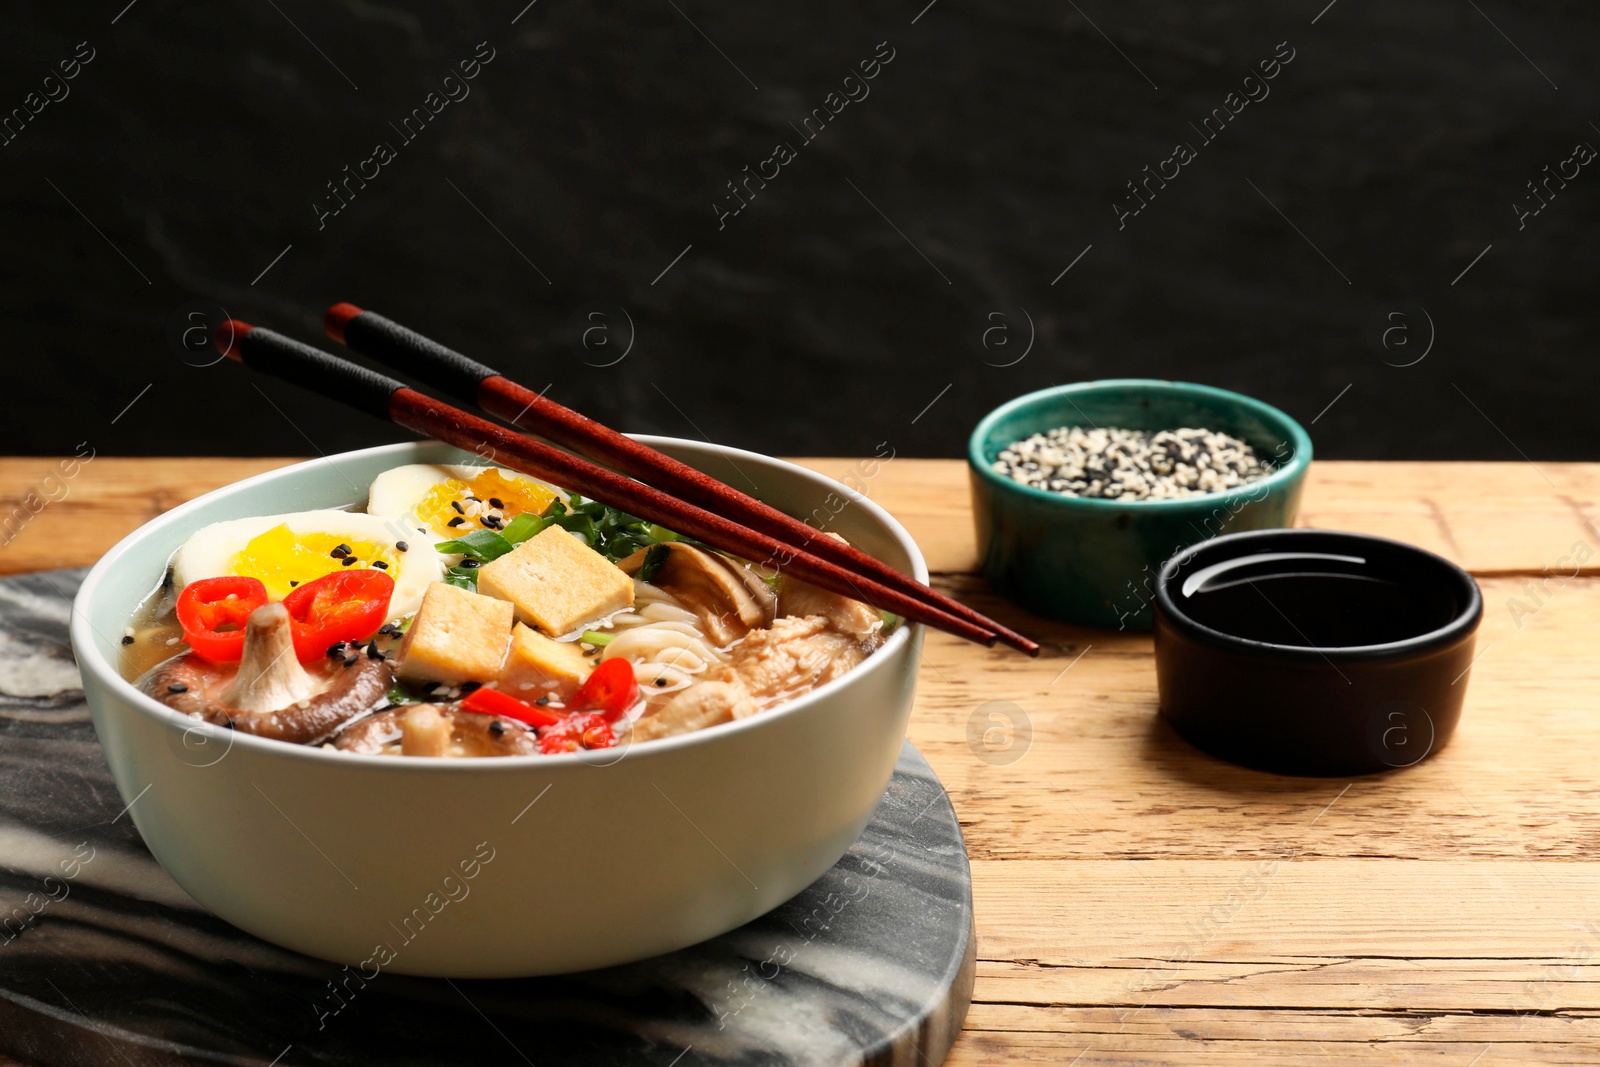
105	962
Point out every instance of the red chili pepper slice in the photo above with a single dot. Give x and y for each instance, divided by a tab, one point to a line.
208	605
611	689
505	706
588	730
346	605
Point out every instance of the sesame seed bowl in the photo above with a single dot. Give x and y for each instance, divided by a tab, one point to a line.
1074	518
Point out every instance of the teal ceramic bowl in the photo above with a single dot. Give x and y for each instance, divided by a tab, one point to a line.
1094	562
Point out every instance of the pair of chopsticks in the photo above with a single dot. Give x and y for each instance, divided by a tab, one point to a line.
667	491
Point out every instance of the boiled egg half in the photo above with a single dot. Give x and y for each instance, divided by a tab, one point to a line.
284	551
449	501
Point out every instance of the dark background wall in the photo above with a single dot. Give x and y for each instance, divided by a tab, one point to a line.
1374	189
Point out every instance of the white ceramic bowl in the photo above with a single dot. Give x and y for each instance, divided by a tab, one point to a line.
509	866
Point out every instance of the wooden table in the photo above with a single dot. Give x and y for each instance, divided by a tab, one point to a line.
1138	902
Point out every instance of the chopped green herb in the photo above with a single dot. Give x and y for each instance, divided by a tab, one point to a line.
401	693
523	527
598	638
462	578
653	560
890	620
481	545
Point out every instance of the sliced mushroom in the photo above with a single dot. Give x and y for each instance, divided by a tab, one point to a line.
439	730
730	599
268	693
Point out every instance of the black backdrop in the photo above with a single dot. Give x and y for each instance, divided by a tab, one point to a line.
902	273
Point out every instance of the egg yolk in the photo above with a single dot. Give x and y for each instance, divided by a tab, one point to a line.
514	496
283	559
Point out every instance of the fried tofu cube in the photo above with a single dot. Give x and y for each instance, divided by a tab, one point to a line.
537	660
557	582
456	636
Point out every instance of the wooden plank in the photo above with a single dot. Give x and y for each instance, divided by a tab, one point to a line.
1103	776
1489	517
1173	928
1222	1037
71	521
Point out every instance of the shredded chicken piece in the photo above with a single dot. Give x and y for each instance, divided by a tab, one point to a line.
795	653
848	616
695	708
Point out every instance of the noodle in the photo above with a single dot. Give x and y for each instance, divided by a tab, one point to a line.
664	641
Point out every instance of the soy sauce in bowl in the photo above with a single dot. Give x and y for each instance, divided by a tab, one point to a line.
1311	600
1314	652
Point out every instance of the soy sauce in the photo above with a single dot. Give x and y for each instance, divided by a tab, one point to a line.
1310	600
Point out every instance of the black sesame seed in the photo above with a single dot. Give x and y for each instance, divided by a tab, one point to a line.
591	652
401	546
336	650
661	681
542	701
293	583
489	522
350	660
457	505
341	549
469	564
467	687
494	502
474	499
380	564
496	729
457	521
372	650
349	561
127	639
177	687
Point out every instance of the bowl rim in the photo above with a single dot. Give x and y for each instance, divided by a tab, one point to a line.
1462	626
1299	457
90	661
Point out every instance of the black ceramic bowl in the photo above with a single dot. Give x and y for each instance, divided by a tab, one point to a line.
1314	652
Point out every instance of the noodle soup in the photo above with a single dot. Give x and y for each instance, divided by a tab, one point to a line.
472	611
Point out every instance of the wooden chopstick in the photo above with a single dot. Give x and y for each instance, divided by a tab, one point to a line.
457	375
377	394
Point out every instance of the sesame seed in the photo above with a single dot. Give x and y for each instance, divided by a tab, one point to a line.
1131	465
127	639
352	659
177	687
457	521
293	583
380	564
457	505
350	561
542	701
467	687
496	729
401	546
372	650
336	650
494	502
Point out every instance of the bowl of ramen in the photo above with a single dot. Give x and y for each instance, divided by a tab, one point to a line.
407	711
